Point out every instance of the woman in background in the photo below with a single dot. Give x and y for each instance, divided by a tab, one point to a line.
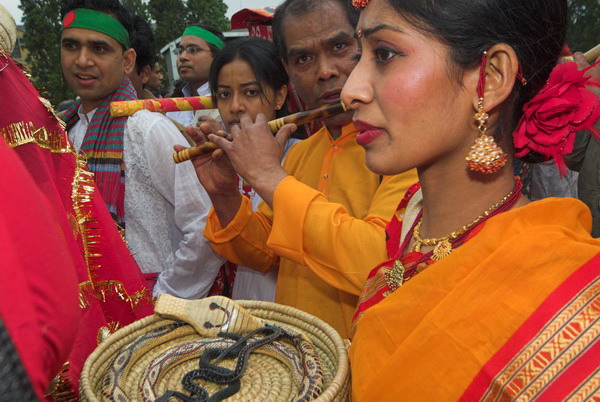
247	77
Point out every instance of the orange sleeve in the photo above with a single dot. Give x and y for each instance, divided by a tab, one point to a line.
322	235
244	240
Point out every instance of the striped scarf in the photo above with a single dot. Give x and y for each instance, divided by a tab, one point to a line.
103	149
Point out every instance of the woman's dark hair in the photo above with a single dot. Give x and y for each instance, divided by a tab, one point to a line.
114	8
263	59
296	8
213	49
535	29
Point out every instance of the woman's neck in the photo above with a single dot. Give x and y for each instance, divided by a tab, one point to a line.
451	201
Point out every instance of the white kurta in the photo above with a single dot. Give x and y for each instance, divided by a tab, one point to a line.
165	208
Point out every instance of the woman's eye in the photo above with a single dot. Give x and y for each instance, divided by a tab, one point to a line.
252	92
383	54
222	94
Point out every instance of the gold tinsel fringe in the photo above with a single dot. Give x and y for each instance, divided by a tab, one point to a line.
60	388
25	133
101	289
83	187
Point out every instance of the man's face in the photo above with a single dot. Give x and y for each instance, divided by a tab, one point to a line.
193	62
156	77
93	64
321	52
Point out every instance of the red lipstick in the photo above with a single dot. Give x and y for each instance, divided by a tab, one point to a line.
367	133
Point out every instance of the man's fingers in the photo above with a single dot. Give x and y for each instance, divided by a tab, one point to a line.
580	60
178	148
235	130
261	119
195	135
221	142
284	133
222	133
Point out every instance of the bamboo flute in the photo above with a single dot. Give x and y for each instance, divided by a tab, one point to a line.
274	125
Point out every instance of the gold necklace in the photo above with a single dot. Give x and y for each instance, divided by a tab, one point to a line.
442	245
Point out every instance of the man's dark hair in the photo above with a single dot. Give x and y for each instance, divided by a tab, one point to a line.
142	41
213	49
114	8
297	8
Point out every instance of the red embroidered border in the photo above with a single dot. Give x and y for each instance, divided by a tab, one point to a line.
574	375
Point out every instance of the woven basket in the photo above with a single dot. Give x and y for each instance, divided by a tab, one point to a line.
142	361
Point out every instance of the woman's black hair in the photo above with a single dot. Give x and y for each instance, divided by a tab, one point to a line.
263	59
113	8
535	29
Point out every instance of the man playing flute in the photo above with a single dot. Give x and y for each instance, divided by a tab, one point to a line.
323	211
162	205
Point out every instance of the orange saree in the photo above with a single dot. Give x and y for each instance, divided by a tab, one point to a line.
507	314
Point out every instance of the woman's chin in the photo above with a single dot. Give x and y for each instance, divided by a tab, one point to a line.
378	164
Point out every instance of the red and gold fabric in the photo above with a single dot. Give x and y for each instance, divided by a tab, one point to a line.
38	280
471	324
111	290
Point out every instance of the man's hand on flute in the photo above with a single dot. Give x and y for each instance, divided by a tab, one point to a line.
216	174
214	124
256	154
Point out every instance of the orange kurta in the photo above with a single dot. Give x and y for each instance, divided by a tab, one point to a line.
430	338
329	217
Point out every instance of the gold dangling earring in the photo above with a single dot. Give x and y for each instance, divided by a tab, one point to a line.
485	155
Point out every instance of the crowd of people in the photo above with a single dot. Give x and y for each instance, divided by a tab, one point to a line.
399	222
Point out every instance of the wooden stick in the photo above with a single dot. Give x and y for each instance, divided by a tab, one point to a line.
161	105
274	125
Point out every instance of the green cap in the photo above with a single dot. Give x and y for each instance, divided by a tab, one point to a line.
97	21
203	34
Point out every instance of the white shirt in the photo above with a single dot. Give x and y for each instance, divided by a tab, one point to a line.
77	132
186	118
165	209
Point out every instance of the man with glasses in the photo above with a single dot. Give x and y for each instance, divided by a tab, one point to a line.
198	47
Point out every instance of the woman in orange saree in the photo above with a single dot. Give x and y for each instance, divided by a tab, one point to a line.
485	295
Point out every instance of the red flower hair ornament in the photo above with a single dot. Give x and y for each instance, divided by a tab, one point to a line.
551	118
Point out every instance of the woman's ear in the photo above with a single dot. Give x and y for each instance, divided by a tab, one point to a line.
501	70
280	96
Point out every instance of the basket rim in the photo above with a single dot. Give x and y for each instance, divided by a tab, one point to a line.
338	381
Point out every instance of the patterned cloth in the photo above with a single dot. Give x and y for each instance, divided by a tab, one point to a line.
103	148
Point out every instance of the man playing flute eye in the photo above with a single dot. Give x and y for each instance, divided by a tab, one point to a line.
324	212
162	205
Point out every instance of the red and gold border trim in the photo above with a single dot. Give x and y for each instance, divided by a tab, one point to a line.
551	354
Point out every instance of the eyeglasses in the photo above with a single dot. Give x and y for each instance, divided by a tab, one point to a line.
191	50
